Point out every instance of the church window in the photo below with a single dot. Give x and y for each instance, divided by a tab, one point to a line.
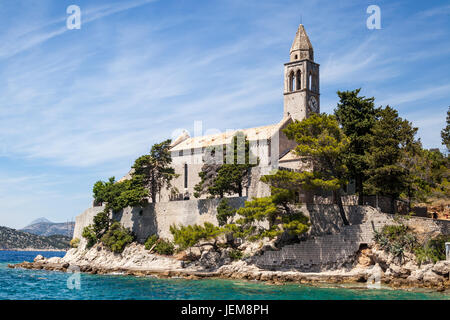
298	79
296	57
185	175
310	81
291	81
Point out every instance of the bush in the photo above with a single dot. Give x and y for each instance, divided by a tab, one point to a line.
117	237
396	239
164	247
433	250
90	236
151	241
74	243
236	254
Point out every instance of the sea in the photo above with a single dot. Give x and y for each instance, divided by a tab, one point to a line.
18	284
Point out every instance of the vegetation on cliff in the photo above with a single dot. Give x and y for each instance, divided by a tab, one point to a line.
399	239
150	174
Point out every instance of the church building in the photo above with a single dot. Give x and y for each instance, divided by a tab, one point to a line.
268	143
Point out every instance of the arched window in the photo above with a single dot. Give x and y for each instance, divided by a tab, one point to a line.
310	81
298	80
291	81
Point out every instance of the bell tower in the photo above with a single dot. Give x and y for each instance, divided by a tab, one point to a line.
301	79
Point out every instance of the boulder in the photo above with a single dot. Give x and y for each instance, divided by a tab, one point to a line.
430	276
54	260
210	259
442	268
39	258
398	271
416	276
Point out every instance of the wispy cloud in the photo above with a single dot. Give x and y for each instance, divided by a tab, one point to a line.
18	42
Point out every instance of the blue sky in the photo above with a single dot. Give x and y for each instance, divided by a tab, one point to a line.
77	106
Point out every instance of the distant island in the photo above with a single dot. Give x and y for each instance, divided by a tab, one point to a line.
11	239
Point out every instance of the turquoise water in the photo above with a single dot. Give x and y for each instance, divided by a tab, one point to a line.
31	284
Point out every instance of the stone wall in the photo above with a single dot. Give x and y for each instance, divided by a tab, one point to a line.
332	245
157	218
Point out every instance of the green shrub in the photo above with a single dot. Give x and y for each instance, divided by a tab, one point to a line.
151	241
90	236
117	237
396	239
236	254
164	247
74	243
433	250
188	236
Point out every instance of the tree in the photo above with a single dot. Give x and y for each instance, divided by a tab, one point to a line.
392	138
224	212
357	116
281	218
445	133
208	175
322	145
221	176
154	171
191	235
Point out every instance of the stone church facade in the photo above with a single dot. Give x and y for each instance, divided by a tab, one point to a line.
268	143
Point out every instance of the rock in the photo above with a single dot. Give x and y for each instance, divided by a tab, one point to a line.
431	277
398	271
442	268
210	259
39	258
54	260
365	258
415	276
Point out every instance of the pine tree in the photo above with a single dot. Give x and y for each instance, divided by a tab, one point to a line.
392	139
154	169
445	133
322	144
357	116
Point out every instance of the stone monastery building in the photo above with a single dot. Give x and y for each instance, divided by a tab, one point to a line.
268	143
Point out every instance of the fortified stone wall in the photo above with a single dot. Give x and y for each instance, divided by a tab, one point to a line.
157	218
325	251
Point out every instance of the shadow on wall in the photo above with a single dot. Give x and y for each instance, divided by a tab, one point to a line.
325	219
210	205
140	220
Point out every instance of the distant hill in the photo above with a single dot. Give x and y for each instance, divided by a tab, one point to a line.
14	239
41	220
44	227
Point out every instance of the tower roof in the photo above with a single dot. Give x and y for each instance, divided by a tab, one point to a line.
301	47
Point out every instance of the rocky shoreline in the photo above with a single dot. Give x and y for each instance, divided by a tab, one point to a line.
137	261
34	249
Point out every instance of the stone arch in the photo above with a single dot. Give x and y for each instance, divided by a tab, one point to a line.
310	80
291	80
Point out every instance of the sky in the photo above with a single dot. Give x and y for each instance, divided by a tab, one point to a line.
80	105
